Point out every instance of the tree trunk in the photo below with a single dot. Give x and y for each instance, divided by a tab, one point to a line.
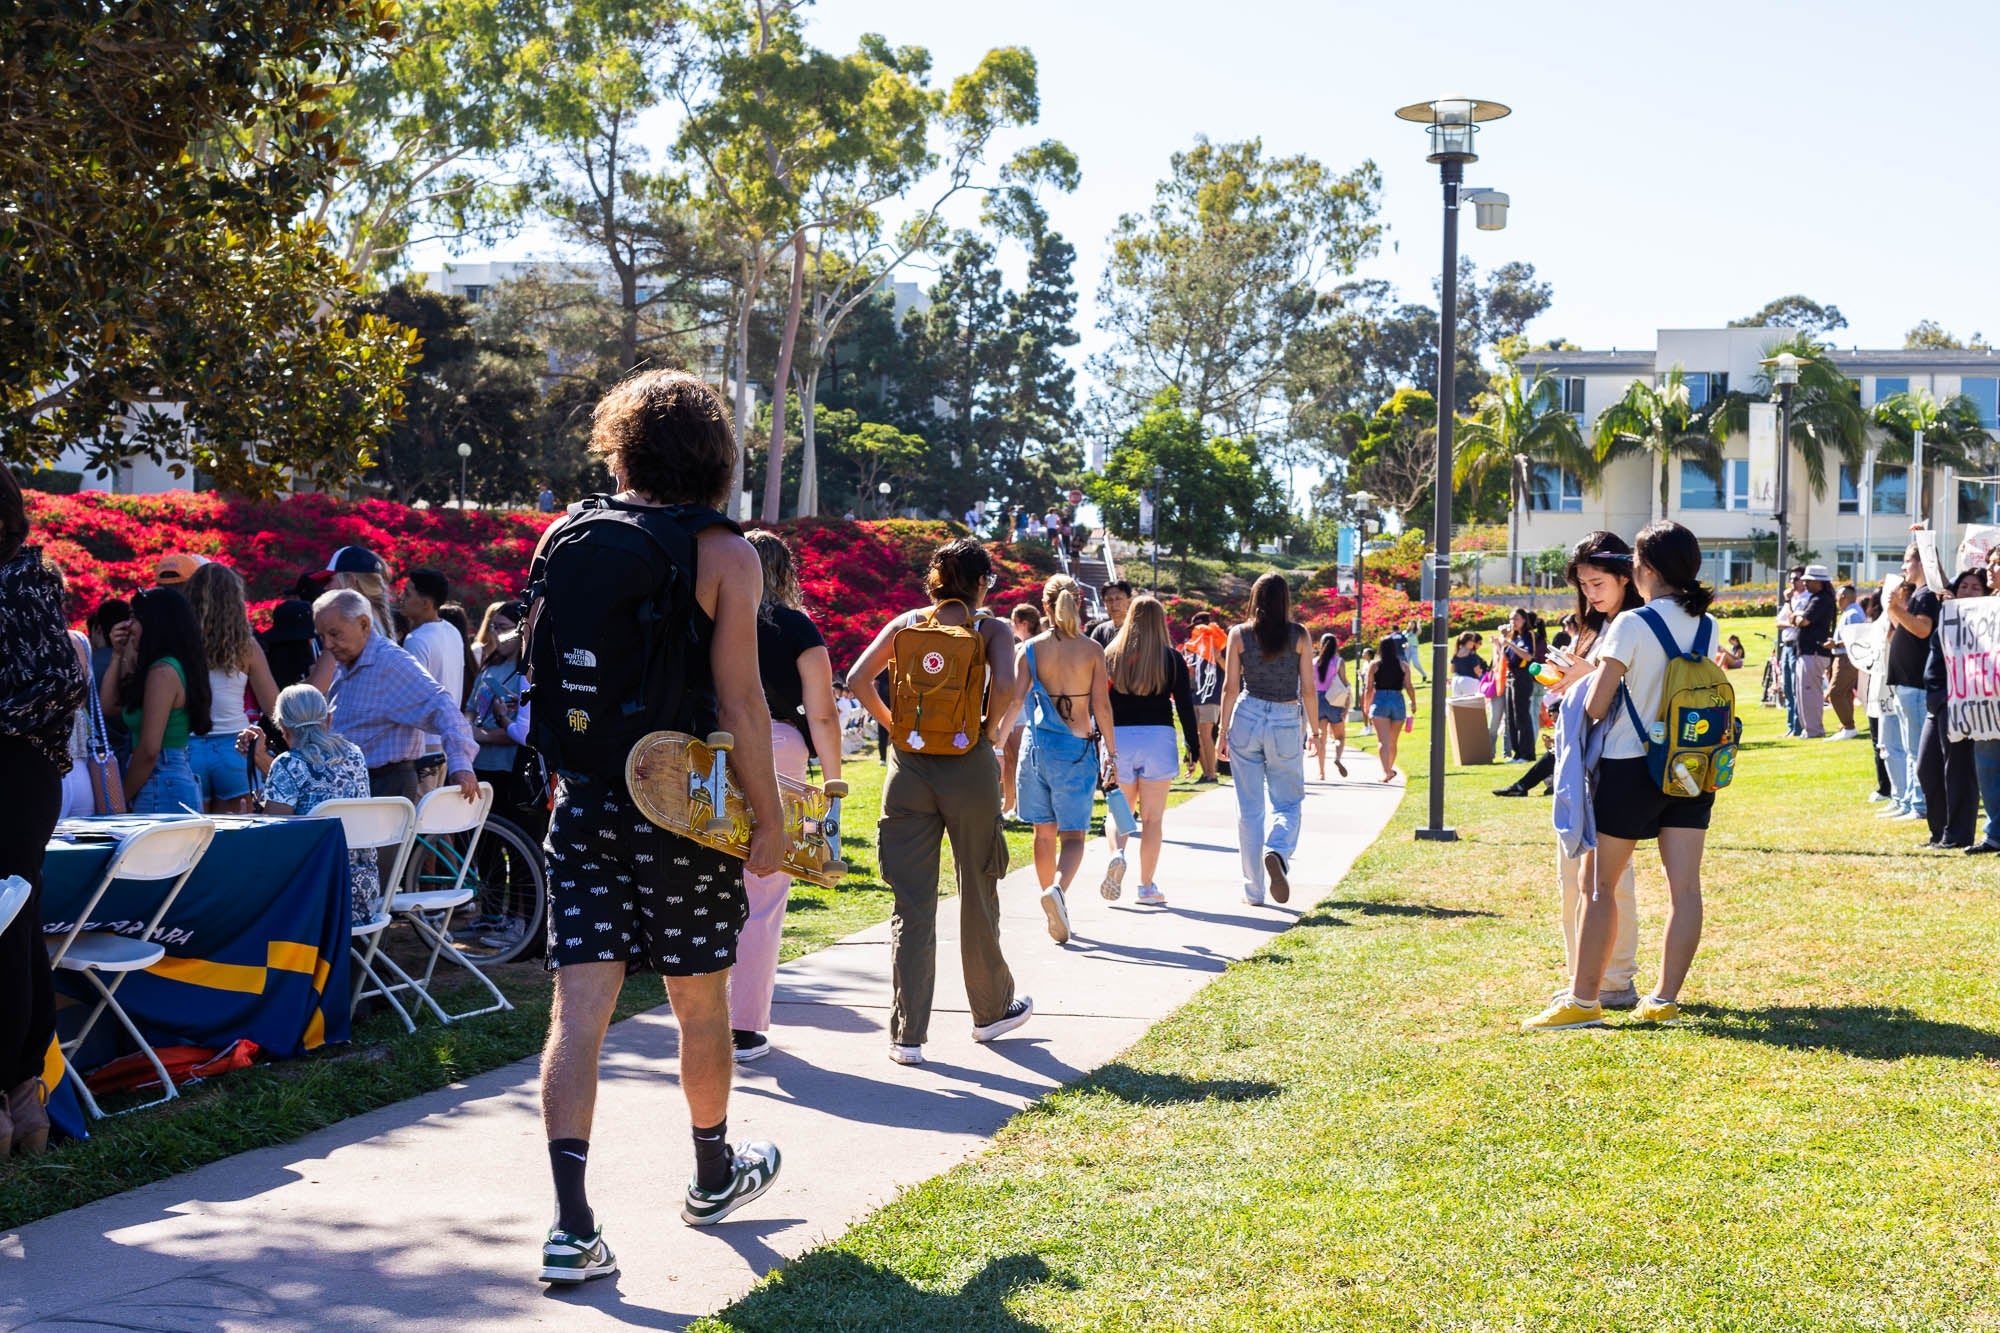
1662	512
1514	517
774	467
746	300
809	451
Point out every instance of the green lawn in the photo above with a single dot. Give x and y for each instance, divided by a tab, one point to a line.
1348	1130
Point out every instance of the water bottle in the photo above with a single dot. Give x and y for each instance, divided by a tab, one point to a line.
1119	811
1549	676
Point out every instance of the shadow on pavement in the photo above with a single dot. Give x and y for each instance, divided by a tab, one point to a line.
1865	1031
829	1289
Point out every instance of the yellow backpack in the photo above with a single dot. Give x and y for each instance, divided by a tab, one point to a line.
1691	749
937	685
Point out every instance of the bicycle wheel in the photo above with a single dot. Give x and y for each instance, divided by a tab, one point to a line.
503	921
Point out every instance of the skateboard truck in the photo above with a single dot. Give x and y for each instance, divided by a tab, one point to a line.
717	787
829	827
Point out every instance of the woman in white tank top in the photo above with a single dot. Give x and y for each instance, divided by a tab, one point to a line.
235	664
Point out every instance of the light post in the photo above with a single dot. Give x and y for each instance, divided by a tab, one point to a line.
1452	121
1159	479
464	454
882	488
1784	374
1363	512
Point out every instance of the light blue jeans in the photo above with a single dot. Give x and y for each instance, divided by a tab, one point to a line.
1902	725
1266	756
1986	768
170	788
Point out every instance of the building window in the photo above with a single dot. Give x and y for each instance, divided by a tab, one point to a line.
473	292
1725	566
1553	489
1736	472
1986	393
1892	489
1705	387
1978	502
1888	386
1698	489
1572	394
1850	491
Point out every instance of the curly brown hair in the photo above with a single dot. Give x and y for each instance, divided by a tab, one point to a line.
667	435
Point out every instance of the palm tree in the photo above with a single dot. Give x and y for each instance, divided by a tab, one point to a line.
1953	436
1826	411
1518	426
1657	421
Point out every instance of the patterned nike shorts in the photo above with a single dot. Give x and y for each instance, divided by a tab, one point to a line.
623	889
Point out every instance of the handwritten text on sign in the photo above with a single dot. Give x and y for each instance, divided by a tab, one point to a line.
1971	630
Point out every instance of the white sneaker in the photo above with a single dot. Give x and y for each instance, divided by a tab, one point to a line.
906	1055
1907	816
1149	895
1875	797
1844	734
1114	879
1019	1011
1057	913
1891	810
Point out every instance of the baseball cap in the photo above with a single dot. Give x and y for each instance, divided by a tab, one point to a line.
177	568
349	560
291	622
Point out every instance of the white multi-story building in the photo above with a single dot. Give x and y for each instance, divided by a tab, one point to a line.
1862	540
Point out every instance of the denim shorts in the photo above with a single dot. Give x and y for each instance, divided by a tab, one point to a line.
1389	707
1057	782
170	789
220	772
1147	754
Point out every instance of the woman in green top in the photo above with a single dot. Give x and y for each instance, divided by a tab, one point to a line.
158	681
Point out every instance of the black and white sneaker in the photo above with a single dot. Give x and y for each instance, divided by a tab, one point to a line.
567	1257
1019	1012
750	1046
755	1168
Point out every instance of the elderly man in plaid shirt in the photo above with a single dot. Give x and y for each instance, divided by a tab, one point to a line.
384	701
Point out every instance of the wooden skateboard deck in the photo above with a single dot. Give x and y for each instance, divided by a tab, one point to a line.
672	777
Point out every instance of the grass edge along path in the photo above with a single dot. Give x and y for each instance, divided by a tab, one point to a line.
1348	1130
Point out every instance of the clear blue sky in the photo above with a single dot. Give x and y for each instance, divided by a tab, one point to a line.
1669	166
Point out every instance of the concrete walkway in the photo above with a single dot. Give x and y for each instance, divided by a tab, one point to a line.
428	1214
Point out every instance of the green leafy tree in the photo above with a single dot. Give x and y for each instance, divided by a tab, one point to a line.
1394	454
1930	334
1236	258
1517	426
158	297
959	355
463	389
1953	435
1658	422
1827	417
1214	491
1794	312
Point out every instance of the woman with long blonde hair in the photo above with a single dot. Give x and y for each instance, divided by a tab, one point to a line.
1068	701
1150	683
235	662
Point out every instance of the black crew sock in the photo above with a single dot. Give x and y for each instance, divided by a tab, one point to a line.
712	1169
567	1158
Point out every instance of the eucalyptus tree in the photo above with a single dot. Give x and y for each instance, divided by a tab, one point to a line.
1519	425
1659	422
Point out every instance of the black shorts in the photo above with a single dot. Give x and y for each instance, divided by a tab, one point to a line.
623	889
1629	804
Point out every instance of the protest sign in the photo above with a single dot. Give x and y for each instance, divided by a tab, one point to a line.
1971	639
1927	552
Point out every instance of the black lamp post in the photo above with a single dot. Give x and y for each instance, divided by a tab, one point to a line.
1453	121
1364	512
1159	479
464	455
1785	375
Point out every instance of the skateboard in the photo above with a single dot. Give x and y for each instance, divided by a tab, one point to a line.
684	785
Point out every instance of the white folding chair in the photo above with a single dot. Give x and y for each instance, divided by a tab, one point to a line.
372	823
441	814
14	893
163	852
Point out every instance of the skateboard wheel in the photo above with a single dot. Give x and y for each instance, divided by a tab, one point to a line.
836	787
719	826
721	740
838	869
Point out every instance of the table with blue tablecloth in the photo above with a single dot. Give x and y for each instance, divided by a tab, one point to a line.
256	942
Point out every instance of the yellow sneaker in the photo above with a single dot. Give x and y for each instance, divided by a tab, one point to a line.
1653	1009
1564	1014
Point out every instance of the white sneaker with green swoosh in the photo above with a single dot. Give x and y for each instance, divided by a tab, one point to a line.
568	1258
755	1168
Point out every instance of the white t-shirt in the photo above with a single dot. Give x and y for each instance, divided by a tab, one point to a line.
440	651
1631	641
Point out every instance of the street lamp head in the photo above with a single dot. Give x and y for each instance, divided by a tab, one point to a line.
1489	208
1362	499
1785	368
882	486
464	450
1159	474
1453	122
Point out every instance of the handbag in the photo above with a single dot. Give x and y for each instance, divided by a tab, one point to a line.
1489	685
107	780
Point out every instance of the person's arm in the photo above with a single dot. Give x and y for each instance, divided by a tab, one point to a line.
1100	708
431	708
1604	683
124	652
163	695
1308	683
1182	681
1002	689
1232	685
1899	611
321	675
861	676
739	689
822	715
263	685
1368	691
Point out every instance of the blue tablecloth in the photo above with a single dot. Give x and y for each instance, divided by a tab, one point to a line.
256	942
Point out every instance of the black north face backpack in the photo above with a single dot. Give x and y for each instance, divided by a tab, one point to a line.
612	648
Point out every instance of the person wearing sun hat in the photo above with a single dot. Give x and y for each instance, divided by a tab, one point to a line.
176	569
1813	617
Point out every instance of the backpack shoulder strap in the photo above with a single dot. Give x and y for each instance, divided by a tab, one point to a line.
1632	711
1704	637
1652	621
